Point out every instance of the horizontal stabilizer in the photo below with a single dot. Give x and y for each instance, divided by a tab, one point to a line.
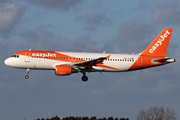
165	60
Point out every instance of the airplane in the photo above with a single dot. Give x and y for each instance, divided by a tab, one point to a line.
66	63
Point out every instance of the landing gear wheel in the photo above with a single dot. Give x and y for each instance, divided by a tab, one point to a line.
84	78
27	76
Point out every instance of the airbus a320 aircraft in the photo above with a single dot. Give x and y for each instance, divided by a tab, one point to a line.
66	63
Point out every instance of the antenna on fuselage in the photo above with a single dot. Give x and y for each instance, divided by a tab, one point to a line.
30	49
104	52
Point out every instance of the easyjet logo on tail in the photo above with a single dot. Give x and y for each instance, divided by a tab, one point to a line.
159	42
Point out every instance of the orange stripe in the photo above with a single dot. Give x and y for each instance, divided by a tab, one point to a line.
105	66
52	56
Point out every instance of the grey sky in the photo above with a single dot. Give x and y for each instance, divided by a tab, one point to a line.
87	26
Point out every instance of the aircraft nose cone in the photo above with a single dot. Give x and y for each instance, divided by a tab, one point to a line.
7	62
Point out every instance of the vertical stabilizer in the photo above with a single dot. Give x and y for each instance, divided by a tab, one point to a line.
160	44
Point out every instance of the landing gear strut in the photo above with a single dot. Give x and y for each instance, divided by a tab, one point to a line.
27	72
84	77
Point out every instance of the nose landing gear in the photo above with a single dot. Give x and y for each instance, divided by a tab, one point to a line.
27	72
84	77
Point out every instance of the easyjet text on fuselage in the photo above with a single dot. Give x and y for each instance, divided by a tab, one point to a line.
44	54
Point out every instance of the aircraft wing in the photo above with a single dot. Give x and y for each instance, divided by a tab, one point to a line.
92	62
88	64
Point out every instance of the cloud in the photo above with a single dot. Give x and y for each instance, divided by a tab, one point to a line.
164	85
89	28
43	39
136	33
144	5
5	1
93	20
167	14
131	35
134	29
62	5
10	14
97	4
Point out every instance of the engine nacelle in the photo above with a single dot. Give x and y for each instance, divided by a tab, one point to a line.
63	70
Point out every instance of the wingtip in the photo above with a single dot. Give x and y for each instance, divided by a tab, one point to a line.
108	57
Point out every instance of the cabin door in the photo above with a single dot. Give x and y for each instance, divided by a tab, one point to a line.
27	57
139	61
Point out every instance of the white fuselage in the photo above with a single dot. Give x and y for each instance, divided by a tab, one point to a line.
119	62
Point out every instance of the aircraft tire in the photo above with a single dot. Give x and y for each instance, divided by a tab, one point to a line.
27	76
84	78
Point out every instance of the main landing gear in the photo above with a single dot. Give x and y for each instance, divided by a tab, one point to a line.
84	77
27	73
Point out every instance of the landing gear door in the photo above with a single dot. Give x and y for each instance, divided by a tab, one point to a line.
27	57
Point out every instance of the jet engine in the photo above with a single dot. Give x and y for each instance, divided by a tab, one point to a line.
63	70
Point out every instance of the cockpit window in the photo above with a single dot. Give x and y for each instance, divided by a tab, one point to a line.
16	56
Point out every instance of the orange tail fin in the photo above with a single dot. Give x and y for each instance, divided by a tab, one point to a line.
160	45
